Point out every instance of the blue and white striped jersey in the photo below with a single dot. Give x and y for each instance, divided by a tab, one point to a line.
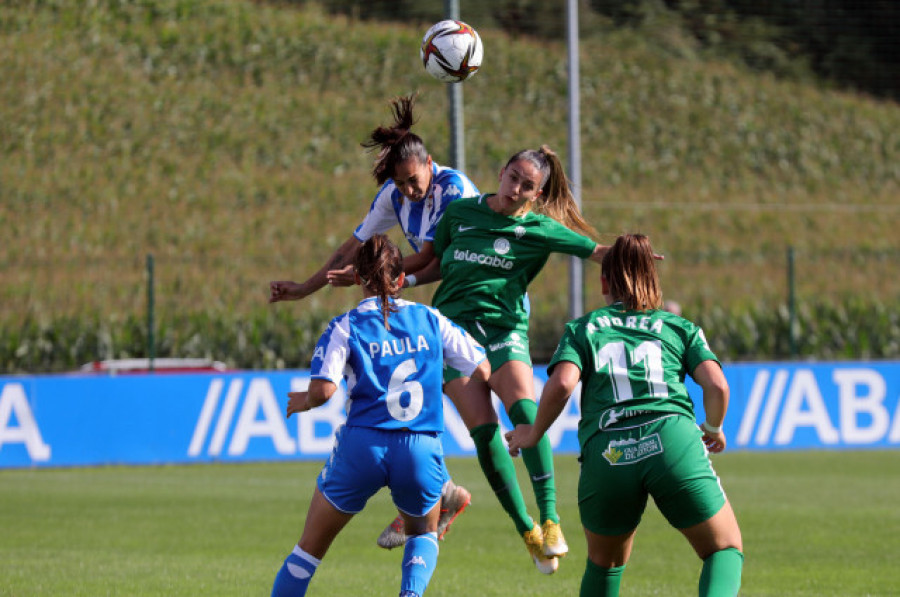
418	219
394	377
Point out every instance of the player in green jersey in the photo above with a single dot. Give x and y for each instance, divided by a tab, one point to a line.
638	433
489	249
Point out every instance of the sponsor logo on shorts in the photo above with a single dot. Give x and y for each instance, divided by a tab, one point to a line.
514	342
629	451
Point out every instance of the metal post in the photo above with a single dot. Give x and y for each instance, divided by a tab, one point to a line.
576	266
792	305
457	155
151	346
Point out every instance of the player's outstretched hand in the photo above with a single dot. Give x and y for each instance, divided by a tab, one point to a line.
284	290
346	276
297	403
520	437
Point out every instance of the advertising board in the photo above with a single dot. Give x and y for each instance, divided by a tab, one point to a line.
89	419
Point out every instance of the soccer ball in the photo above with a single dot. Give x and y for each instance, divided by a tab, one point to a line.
451	51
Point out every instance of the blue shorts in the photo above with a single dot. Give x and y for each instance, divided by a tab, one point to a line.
364	460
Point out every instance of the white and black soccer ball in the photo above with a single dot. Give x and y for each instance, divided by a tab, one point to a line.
451	51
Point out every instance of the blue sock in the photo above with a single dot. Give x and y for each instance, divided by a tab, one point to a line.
295	574
419	561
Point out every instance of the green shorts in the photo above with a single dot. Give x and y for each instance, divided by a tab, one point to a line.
500	344
664	458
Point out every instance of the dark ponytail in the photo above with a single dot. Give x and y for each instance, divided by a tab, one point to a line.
396	143
379	264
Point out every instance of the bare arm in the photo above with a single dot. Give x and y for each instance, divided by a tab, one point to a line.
413	263
431	272
711	379
339	263
554	398
319	392
600	251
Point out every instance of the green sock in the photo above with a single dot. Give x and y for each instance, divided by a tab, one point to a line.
601	582
538	460
721	576
498	468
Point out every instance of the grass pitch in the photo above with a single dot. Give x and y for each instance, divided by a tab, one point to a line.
814	524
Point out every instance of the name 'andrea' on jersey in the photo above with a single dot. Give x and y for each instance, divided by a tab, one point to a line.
387	371
417	219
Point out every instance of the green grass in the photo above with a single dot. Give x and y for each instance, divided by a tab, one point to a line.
223	137
814	524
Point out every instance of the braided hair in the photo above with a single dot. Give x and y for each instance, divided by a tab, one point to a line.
379	264
396	143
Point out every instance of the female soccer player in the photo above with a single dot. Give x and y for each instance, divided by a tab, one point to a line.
414	193
638	433
490	248
391	354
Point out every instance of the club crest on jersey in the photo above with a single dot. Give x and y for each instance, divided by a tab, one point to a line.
520	231
501	246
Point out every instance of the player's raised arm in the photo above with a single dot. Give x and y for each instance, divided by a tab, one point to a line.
341	261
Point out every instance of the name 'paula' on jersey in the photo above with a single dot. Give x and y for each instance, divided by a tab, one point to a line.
397	346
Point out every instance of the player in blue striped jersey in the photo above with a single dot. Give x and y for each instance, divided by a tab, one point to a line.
391	354
414	193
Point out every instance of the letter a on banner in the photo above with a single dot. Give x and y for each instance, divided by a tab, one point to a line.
14	401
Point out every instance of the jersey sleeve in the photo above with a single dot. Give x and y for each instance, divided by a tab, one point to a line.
461	350
697	349
332	351
381	216
563	240
442	231
453	185
567	350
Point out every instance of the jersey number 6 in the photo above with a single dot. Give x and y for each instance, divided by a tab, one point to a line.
399	385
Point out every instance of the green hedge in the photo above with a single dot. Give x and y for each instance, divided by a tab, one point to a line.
277	339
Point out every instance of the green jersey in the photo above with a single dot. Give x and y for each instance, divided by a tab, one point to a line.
489	259
632	363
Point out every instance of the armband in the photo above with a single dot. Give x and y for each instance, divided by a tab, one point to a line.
710	428
410	281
